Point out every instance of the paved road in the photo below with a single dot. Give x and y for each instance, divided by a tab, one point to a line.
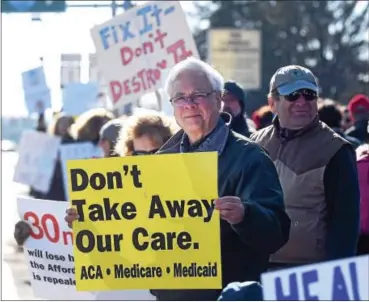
14	268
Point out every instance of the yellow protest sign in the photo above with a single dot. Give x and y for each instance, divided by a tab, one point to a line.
146	222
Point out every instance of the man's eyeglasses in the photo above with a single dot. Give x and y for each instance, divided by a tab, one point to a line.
142	152
308	95
194	98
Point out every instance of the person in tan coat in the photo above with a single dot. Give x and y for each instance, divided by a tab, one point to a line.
317	170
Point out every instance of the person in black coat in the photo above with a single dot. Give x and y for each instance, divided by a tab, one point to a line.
234	104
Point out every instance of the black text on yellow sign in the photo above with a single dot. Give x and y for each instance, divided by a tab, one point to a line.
146	222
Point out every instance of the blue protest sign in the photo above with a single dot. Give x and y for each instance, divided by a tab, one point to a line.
33	81
38	102
36	92
79	97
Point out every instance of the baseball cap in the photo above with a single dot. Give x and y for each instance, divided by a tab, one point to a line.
291	78
110	131
358	104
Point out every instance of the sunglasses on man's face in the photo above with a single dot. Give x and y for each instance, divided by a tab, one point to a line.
307	94
142	152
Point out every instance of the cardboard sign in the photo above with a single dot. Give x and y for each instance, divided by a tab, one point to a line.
134	48
37	157
340	280
146	222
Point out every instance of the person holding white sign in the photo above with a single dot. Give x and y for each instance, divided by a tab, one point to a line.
59	127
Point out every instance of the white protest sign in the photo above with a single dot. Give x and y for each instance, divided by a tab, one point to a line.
76	151
339	280
48	251
38	153
135	47
79	97
49	254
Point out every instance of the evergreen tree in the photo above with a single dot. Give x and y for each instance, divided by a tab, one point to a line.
329	37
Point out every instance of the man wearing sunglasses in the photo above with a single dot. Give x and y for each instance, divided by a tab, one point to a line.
317	171
250	203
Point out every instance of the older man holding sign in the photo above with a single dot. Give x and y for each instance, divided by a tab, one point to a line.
250	199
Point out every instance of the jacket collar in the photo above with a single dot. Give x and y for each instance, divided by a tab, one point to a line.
215	142
288	134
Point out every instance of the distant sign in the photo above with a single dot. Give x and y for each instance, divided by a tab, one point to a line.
37	157
78	97
340	280
134	48
38	102
236	54
36	91
33	80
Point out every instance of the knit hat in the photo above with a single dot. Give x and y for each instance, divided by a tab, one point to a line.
358	104
237	91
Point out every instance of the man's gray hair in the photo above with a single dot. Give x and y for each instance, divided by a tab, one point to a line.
215	78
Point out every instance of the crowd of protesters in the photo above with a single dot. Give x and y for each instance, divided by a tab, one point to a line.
293	179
